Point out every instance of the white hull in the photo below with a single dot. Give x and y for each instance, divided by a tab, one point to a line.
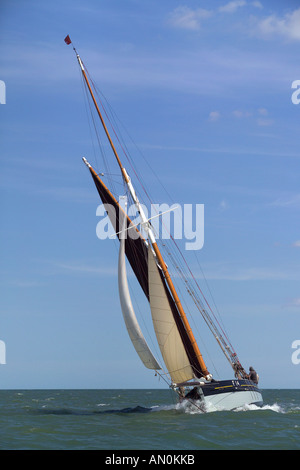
225	395
232	400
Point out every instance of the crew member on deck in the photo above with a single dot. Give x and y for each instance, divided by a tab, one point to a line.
253	376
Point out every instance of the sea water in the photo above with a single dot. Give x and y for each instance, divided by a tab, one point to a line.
111	420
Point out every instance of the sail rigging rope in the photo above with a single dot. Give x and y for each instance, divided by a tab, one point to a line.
176	254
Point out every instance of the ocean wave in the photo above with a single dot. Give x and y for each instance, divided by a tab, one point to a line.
72	411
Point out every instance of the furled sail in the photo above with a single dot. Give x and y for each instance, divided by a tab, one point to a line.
131	322
168	337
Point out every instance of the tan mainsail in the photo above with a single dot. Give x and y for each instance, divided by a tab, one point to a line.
168	337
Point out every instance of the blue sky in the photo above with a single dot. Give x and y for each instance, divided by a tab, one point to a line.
204	90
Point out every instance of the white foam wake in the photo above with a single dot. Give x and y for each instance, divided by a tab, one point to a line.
197	407
275	407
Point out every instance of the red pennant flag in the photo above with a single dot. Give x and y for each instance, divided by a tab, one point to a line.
68	40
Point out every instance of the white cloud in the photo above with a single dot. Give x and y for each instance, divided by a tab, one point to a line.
287	26
293	303
263	111
296	244
214	116
186	18
241	114
223	205
231	7
257	4
262	119
289	202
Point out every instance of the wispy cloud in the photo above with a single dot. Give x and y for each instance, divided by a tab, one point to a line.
257	4
53	191
292	201
186	18
224	150
293	303
261	116
192	71
241	114
26	283
235	272
214	116
223	206
264	122
287	26
231	7
82	268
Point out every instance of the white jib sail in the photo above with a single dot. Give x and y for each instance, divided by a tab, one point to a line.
168	336
130	319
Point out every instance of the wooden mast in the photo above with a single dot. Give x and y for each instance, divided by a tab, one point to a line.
100	116
202	366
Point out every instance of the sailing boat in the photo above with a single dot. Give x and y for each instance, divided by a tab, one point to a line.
184	365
